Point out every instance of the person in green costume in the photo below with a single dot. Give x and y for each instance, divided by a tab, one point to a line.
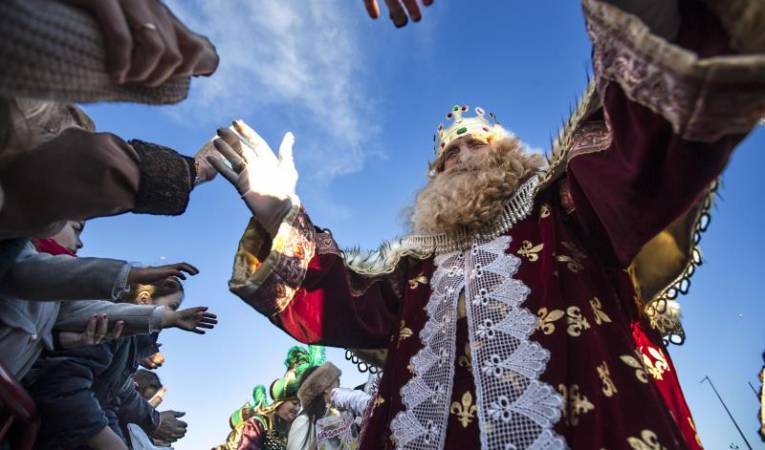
259	425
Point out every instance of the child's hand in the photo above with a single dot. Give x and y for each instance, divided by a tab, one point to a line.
155	274
96	332
191	319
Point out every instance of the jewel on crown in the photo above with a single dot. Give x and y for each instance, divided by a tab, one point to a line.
477	126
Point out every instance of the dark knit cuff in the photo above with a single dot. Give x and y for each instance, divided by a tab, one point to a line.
167	179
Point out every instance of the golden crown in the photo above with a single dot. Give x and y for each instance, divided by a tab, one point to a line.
477	126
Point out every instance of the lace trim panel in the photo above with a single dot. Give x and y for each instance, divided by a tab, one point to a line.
516	410
422	424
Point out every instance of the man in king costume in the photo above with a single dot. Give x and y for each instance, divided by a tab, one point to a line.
259	425
527	309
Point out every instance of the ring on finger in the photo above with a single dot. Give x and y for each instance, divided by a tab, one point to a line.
147	26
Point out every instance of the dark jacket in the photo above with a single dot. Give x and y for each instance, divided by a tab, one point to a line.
80	391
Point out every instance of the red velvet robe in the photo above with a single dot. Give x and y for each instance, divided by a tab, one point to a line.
665	131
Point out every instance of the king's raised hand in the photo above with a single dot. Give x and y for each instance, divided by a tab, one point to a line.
266	183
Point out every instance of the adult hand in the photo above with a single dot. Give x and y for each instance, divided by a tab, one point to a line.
266	183
96	331
170	429
397	11
164	274
191	319
145	43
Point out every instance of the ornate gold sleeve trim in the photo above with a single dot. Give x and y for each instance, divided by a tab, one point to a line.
703	99
271	284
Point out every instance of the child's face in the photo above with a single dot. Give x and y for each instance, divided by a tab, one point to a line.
172	301
288	410
149	391
69	236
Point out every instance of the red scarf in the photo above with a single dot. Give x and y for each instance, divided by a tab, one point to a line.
51	247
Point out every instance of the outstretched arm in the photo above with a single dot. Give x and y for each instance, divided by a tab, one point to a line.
104	176
673	110
289	270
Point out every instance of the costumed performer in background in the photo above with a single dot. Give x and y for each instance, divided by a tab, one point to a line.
259	425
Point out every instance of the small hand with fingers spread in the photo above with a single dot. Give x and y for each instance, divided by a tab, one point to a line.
190	319
266	183
163	274
170	429
96	331
396	10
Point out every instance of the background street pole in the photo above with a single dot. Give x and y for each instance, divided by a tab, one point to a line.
706	378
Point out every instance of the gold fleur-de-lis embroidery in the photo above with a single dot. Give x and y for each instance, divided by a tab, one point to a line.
546	319
636	364
576	322
379	401
465	409
530	251
647	441
466	359
573	262
575	251
404	332
418	280
608	387
574	403
656	366
544	210
597	310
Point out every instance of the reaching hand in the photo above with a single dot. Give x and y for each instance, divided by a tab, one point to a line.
396	10
96	331
205	171
164	274
146	44
153	362
170	429
266	183
191	319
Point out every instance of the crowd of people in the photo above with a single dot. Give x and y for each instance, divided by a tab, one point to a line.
75	331
308	408
527	309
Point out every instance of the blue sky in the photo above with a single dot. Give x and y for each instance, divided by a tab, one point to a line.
363	100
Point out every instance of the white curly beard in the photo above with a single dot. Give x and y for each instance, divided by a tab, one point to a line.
470	196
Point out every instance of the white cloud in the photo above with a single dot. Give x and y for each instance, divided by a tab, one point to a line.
300	58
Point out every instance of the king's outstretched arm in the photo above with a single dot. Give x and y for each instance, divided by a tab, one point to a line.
291	271
680	85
